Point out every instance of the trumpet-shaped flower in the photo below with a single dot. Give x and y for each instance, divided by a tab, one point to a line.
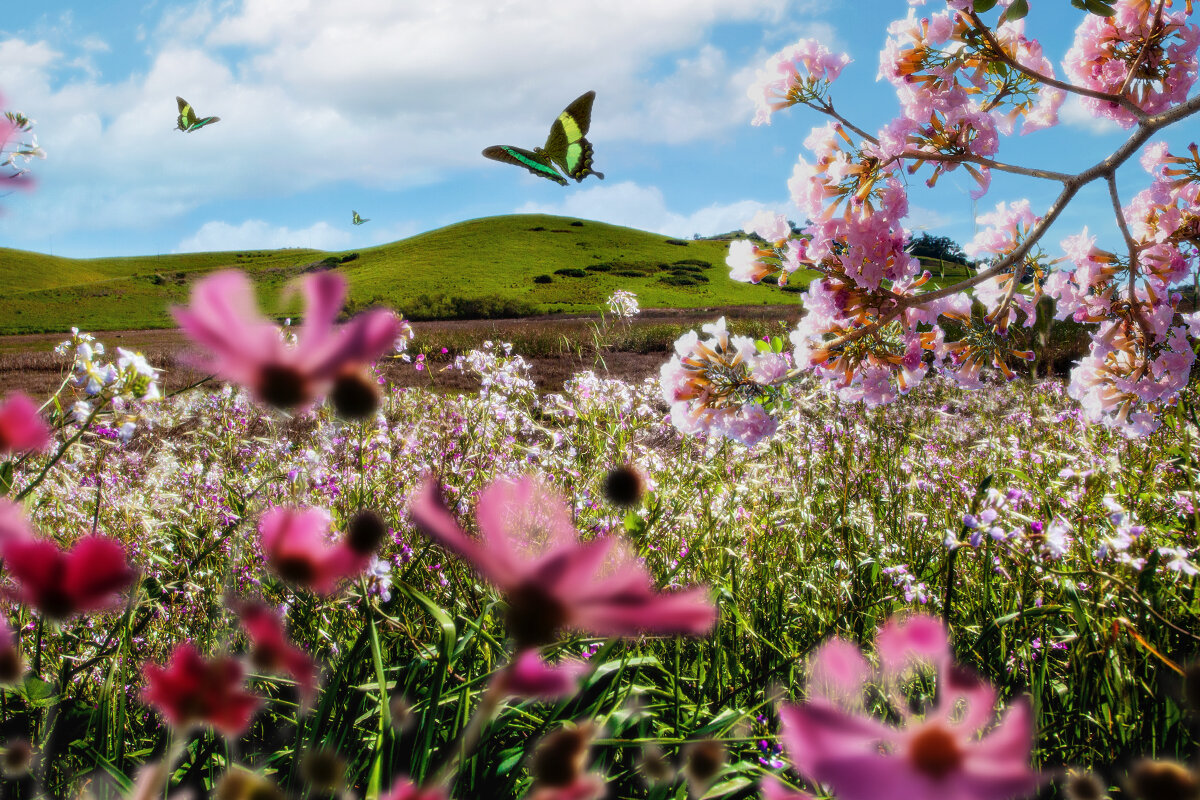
20	426
246	348
531	552
61	584
956	750
191	691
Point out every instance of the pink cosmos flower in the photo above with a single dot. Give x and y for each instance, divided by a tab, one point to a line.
193	691
246	348
404	789
772	789
938	754
61	584
531	552
294	543
13	524
271	651
20	426
527	675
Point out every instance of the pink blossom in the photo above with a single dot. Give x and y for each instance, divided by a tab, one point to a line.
271	651
530	551
772	789
191	691
936	754
527	675
13	524
404	789
246	348
294	544
798	73
20	426
61	584
772	226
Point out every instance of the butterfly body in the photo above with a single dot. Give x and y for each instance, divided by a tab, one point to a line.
357	220
566	147
188	121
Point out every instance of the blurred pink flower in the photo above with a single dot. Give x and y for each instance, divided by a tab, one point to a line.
20	426
404	789
551	580
938	754
61	584
13	524
270	650
192	691
293	542
527	675
249	349
772	789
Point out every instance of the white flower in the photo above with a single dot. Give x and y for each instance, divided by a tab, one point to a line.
81	411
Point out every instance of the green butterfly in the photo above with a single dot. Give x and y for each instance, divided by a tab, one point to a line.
359	220
565	146
188	121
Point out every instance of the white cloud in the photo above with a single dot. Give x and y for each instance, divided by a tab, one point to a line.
644	207
1073	113
255	234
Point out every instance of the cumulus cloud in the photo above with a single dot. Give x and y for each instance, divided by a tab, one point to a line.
1075	115
255	234
644	207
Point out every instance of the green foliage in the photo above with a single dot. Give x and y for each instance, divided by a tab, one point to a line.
543	279
571	272
496	257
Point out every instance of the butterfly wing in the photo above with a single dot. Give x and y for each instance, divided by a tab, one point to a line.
357	219
566	145
206	121
537	164
187	115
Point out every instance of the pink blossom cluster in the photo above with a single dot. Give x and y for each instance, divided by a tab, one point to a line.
1138	55
714	386
799	73
1141	357
750	262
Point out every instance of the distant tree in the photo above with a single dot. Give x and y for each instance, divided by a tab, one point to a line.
942	248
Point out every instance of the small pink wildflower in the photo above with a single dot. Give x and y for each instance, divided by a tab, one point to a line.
551	580
246	348
527	675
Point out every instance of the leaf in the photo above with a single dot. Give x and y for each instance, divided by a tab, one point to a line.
37	692
1016	11
984	5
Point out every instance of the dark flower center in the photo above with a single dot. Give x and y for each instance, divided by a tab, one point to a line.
534	615
935	752
324	769
10	665
354	395
55	603
295	569
561	756
18	755
365	532
282	386
704	760
1163	780
623	486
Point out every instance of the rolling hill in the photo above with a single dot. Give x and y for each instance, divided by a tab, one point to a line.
482	267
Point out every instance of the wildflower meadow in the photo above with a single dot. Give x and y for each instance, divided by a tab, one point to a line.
870	558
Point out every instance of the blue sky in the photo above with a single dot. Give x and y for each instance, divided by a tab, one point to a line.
384	106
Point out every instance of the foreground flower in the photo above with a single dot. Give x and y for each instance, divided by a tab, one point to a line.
551	580
293	542
246	348
404	789
936	754
527	675
61	584
193	691
20	426
270	650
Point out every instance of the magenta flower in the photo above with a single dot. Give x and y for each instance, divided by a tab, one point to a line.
404	789
527	675
551	580
61	584
270	650
956	750
193	691
13	524
772	789
246	348
20	426
294	543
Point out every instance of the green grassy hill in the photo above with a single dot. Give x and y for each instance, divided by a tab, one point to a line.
484	266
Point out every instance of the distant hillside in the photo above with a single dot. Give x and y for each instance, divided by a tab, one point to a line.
497	266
